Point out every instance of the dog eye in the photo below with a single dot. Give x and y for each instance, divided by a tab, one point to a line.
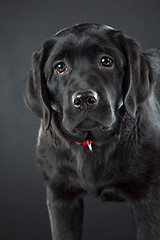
61	67
107	62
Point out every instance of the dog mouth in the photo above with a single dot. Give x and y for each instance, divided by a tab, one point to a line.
91	131
84	123
88	128
88	125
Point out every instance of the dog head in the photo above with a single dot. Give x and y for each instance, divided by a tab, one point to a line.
84	74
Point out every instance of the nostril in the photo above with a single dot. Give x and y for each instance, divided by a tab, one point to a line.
78	102
91	101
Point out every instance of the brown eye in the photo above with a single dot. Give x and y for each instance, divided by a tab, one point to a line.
61	67
107	62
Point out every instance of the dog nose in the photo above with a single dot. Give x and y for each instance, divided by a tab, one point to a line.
79	99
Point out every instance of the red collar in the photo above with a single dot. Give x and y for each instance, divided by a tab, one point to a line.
86	143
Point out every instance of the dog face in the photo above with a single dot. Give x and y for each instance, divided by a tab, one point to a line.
85	74
85	84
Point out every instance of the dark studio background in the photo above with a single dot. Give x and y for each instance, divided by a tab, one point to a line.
24	25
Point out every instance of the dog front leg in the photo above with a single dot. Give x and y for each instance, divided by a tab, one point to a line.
65	217
147	215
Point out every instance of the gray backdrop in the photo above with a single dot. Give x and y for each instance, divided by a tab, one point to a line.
24	25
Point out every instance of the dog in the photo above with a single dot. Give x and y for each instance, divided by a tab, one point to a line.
98	97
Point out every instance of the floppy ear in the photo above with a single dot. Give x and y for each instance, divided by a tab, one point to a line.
36	97
138	79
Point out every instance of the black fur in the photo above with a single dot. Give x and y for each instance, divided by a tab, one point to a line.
125	162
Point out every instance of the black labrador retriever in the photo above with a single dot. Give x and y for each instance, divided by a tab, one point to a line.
98	97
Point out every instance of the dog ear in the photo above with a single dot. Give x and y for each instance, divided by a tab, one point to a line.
138	80
36	97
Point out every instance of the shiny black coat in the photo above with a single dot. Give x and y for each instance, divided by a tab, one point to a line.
117	89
